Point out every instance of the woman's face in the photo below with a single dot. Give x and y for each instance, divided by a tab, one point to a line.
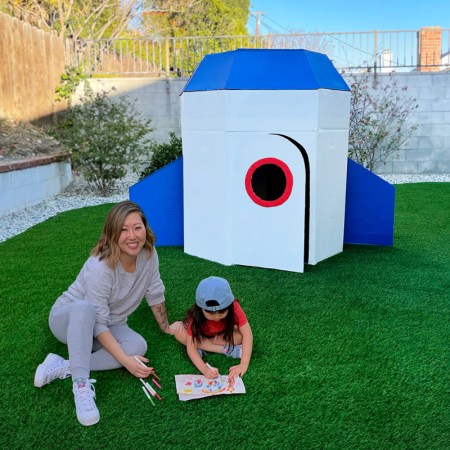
132	236
215	316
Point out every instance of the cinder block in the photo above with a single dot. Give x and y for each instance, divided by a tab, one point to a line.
399	155
441	130
440	79
423	118
425	142
441	104
404	167
430	167
441	155
418	155
413	80
425	105
385	168
431	93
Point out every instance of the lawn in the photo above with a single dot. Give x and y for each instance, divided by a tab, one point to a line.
351	354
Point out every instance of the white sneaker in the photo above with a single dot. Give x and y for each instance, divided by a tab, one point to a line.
53	367
84	394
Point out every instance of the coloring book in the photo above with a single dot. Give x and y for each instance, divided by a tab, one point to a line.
191	387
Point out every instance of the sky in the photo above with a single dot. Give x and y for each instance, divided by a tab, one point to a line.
284	16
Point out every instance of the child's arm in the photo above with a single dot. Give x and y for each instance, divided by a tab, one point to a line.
198	361
247	347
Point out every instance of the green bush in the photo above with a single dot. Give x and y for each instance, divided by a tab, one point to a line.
162	154
107	138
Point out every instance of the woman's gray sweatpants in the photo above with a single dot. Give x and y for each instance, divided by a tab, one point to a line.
73	324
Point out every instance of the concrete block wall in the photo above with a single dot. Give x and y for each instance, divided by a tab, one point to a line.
426	152
24	187
157	99
428	149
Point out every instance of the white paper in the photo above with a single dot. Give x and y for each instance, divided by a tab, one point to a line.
192	387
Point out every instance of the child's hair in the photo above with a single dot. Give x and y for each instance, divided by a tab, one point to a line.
107	246
199	320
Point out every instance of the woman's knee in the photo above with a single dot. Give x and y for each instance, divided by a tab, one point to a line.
75	315
133	343
138	345
82	308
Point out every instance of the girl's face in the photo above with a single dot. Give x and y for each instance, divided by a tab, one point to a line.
216	315
132	236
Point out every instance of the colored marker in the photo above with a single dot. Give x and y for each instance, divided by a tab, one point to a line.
153	392
150	389
156	383
139	361
212	368
148	396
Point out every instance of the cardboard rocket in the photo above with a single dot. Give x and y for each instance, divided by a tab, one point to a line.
265	141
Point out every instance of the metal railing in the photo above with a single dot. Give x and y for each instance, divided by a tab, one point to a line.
379	51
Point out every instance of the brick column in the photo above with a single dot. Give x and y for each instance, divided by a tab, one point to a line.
429	59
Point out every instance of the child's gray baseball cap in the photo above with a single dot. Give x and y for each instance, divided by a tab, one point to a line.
214	288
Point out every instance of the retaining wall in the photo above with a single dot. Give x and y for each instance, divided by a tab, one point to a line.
27	182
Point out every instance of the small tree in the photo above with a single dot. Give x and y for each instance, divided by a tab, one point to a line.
106	137
379	116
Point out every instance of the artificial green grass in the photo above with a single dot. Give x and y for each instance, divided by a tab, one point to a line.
351	354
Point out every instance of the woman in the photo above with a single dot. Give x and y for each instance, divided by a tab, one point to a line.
90	317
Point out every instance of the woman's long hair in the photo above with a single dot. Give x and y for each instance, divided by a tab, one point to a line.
199	320
107	246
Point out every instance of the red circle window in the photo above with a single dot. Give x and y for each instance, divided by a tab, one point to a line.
269	182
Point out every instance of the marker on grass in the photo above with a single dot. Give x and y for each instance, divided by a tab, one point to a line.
150	389
148	396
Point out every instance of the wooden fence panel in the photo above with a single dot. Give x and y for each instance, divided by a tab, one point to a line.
31	63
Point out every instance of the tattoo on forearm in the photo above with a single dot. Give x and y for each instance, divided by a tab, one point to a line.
161	317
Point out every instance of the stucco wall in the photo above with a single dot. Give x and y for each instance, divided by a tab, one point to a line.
427	152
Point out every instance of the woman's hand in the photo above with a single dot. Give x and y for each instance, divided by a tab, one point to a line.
137	369
237	371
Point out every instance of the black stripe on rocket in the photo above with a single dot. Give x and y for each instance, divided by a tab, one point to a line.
307	190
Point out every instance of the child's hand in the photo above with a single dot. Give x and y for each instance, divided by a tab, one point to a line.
211	372
237	371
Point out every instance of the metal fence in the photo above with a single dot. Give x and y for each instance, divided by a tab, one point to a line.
379	51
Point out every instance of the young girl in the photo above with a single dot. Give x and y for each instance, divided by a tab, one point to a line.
91	316
217	324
